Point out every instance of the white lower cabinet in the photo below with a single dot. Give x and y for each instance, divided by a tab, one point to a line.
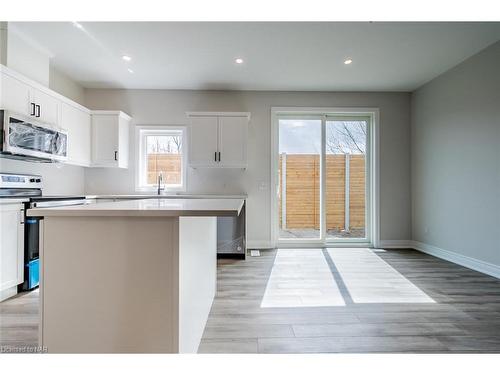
11	248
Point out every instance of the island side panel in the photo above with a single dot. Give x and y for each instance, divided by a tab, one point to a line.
197	278
110	284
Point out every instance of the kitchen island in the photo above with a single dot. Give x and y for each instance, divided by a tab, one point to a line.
133	276
231	230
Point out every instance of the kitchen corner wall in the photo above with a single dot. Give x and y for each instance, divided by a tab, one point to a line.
21	56
168	107
64	85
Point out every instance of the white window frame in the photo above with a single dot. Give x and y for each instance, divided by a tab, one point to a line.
141	132
372	199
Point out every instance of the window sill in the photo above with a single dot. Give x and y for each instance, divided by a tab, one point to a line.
154	190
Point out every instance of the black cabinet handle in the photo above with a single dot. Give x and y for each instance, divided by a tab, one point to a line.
116	154
219	156
33	109
38	110
215	156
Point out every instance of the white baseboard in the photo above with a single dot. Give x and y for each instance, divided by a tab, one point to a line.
472	263
259	245
463	260
395	244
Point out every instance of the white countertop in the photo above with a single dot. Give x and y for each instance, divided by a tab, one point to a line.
170	196
148	207
14	200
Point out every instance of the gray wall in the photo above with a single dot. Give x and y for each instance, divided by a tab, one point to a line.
58	179
148	107
455	143
64	85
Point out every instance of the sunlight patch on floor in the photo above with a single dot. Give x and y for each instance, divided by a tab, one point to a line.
369	279
301	278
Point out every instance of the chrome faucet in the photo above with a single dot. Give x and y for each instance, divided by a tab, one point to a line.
160	180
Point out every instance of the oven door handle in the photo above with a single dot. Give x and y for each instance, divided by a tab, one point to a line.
60	203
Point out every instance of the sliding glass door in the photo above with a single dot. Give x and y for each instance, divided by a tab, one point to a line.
323	178
346	171
299	177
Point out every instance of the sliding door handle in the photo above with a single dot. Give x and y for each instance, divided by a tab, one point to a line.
215	156
219	156
116	155
37	110
33	110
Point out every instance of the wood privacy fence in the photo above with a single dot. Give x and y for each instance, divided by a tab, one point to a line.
299	191
169	164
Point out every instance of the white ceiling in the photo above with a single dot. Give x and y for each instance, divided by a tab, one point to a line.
278	56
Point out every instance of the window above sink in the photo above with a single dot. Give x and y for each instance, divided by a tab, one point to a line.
161	152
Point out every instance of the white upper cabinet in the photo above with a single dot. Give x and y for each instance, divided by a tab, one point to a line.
15	95
46	107
103	145
110	139
77	123
11	245
233	134
20	97
218	139
203	141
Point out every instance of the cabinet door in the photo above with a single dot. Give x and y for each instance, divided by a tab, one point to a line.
105	140
233	141
15	95
203	141
123	141
11	245
47	107
77	123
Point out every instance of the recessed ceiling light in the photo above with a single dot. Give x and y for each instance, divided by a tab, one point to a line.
130	70
238	60
77	25
126	58
348	61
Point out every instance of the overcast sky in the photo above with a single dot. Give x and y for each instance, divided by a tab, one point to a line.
304	136
300	136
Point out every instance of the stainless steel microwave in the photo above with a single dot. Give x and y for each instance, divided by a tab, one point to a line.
21	136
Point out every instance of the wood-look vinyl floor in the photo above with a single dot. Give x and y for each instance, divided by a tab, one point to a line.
19	322
393	302
330	301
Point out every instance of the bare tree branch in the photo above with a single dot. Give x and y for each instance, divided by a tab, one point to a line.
178	142
346	137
